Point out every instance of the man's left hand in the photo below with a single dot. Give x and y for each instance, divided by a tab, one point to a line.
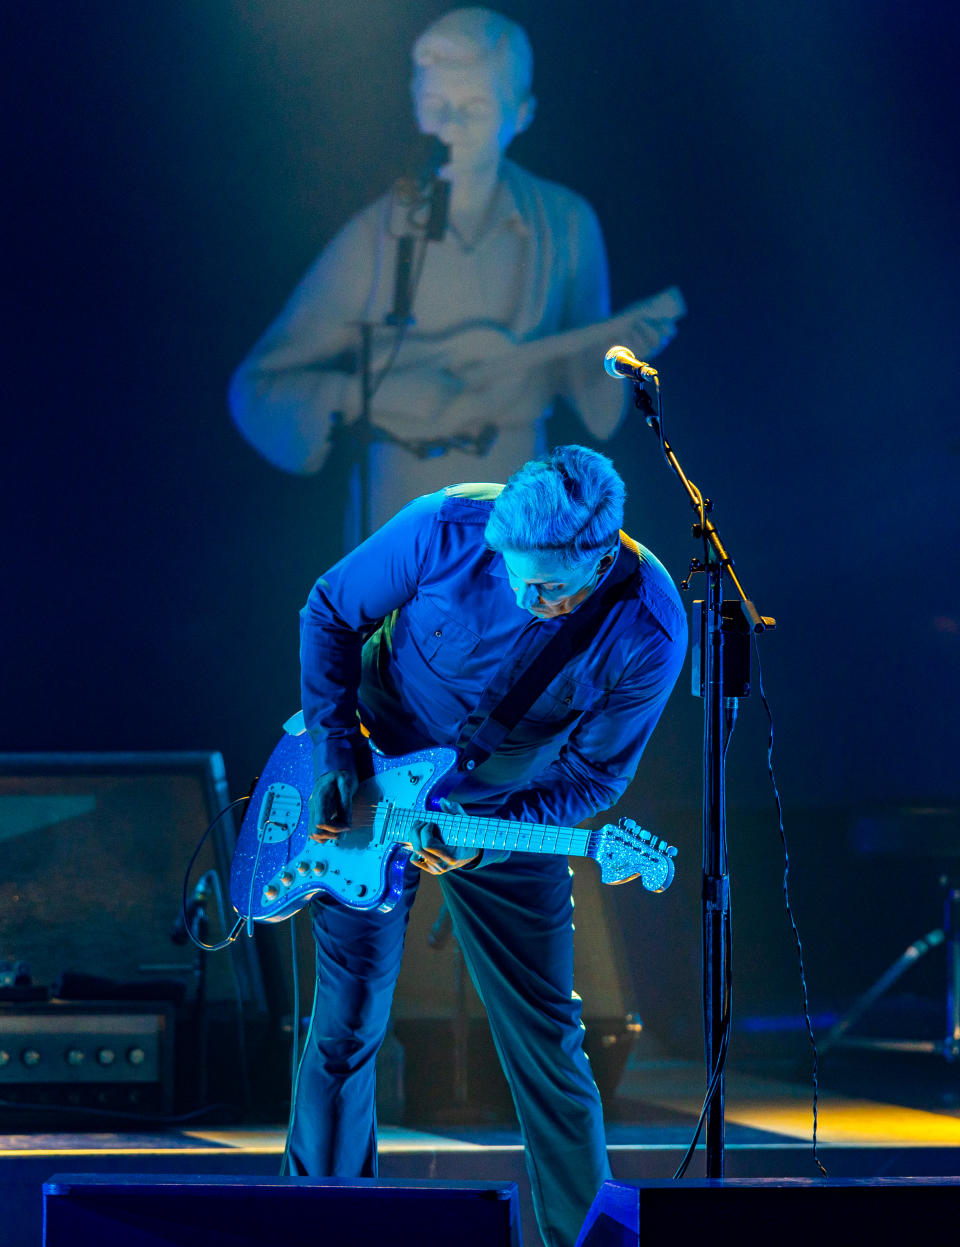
430	854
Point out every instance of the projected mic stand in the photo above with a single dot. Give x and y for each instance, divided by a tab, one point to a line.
400	317
721	676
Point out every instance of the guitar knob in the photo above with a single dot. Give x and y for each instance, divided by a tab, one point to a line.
302	867
271	892
319	868
286	878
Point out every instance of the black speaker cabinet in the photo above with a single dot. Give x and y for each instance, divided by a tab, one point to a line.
145	1211
95	846
791	1212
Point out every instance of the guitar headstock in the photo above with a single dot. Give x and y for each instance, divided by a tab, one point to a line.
625	850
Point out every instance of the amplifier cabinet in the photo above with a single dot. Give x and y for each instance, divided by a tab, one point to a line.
110	1057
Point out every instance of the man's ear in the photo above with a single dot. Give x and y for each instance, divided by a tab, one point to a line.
526	113
609	558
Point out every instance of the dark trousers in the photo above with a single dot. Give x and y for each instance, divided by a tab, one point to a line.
514	924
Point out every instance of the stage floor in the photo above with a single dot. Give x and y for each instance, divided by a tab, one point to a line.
905	1127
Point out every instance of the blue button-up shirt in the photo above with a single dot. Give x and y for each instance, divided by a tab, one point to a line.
419	623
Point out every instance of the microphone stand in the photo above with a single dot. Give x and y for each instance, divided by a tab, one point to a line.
721	676
435	193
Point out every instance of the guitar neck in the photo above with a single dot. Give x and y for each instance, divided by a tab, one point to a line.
538	351
473	832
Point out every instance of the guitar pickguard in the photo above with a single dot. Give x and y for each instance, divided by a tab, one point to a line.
277	867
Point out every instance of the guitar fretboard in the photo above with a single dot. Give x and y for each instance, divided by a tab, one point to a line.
473	832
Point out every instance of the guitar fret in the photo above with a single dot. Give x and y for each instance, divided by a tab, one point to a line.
476	831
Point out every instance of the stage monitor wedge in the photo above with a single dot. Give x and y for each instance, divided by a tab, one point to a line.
757	1212
142	1210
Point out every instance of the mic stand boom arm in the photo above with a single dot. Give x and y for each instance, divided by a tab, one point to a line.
721	648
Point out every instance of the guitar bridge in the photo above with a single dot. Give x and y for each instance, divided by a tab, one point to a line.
279	813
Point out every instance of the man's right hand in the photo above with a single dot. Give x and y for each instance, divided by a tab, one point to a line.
331	804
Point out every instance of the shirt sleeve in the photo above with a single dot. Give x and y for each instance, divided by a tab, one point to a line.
344	607
582	381
283	396
601	757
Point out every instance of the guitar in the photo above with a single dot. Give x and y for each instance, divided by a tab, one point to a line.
478	346
460	381
277	868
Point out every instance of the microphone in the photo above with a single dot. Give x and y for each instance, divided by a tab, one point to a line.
422	161
426	197
621	362
436	156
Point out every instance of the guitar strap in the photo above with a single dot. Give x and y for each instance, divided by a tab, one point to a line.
552	655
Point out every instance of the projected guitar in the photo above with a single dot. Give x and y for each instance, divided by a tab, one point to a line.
479	346
277	868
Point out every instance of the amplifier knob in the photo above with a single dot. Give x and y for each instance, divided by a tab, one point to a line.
136	1056
4	1058
106	1056
30	1056
75	1056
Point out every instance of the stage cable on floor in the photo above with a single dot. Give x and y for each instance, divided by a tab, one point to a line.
786	897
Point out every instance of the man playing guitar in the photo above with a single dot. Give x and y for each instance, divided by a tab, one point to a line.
417	634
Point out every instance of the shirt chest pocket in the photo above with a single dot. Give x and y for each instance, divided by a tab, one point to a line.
566	699
444	643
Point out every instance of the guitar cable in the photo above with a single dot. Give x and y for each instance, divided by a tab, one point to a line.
238	926
793	925
296	1053
728	967
296	1056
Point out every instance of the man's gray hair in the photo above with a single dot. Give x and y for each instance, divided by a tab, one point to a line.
568	505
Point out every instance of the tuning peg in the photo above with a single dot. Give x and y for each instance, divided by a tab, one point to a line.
627	824
671	851
645	836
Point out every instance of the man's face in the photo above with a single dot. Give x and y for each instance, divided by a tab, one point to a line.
469	108
545	588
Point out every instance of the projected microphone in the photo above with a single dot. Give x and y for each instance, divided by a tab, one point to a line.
621	362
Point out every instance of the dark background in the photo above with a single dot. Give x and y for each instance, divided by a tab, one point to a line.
173	169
